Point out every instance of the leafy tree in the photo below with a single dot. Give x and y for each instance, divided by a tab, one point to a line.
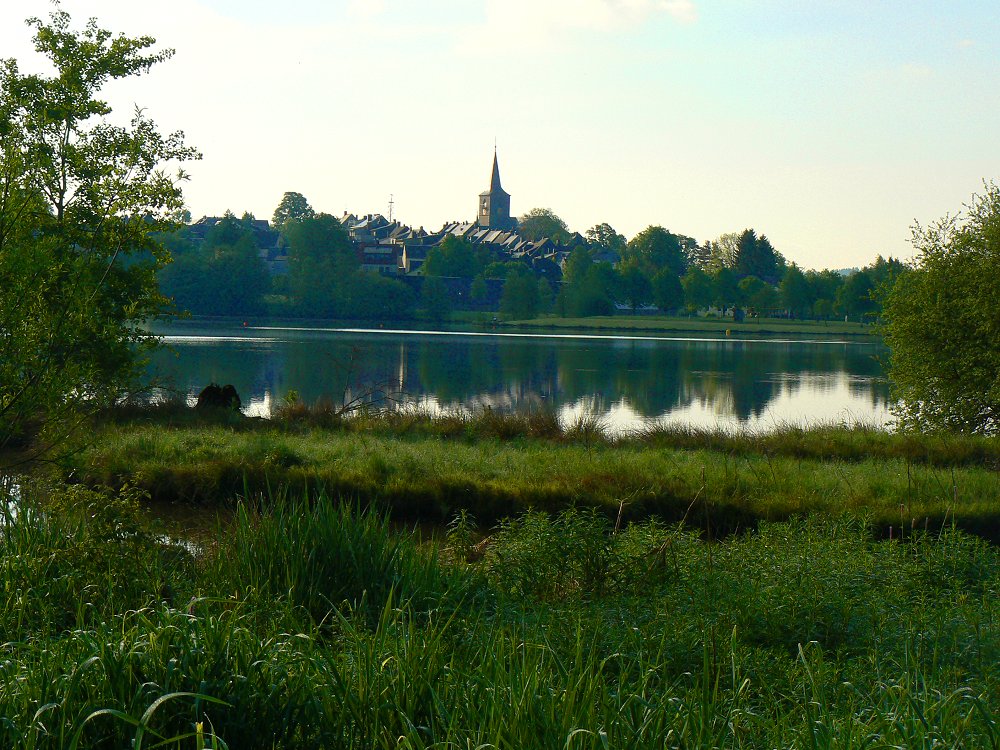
727	290
942	325
855	297
698	289
435	298
634	286
724	251
539	223
372	296
81	201
453	257
605	236
478	289
796	294
293	206
758	295
321	265
544	295
520	295
655	249
668	294
578	265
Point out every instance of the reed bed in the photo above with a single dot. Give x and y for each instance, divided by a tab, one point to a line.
312	624
496	466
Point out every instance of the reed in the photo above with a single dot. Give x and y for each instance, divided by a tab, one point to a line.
570	630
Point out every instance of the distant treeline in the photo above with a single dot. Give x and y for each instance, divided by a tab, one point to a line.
228	270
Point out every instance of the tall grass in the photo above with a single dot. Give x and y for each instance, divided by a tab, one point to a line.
420	476
312	624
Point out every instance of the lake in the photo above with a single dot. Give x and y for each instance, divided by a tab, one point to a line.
704	380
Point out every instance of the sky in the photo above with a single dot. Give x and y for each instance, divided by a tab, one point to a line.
831	126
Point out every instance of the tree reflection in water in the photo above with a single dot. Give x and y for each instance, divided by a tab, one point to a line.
632	379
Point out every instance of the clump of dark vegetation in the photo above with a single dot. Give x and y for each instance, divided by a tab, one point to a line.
312	624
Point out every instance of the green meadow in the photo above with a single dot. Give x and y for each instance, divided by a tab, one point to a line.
824	588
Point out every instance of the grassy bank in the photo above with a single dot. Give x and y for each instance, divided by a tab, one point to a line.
669	323
493	466
313	626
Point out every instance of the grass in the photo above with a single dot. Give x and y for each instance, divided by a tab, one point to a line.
495	466
312	625
718	325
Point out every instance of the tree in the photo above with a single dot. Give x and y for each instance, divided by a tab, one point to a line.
435	299
453	257
758	295
854	297
698	289
668	294
942	327
520	295
724	251
81	201
795	292
726	288
321	265
634	286
539	223
757	257
605	236
654	248
293	206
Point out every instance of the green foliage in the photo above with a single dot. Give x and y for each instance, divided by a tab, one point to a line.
668	293
657	249
293	206
699	289
321	264
453	257
634	286
942	324
520	294
434	298
758	295
80	199
726	290
755	256
539	223
795	292
605	236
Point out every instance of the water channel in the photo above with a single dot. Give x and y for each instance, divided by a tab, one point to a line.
707	380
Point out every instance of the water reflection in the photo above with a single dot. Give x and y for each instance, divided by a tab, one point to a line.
630	381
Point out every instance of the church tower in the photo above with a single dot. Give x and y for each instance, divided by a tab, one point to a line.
493	210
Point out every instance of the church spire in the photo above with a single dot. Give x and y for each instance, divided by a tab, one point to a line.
495	179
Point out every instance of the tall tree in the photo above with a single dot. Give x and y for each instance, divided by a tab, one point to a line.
698	289
80	200
942	326
757	257
539	223
321	265
605	236
520	294
634	286
655	249
293	206
795	292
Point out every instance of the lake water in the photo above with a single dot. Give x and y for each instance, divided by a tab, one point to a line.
630	380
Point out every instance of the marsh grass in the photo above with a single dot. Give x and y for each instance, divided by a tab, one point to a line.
312	624
496	466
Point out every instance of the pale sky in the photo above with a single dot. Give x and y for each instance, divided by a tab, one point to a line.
830	126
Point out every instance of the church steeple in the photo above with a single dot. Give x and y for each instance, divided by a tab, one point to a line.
493	210
495	179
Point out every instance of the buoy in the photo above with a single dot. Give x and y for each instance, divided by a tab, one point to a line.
729	332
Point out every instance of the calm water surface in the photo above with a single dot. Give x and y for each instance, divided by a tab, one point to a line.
630	380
